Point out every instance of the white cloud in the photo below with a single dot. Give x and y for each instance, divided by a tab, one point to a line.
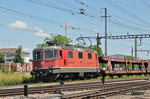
19	25
23	25
37	28
26	49
41	32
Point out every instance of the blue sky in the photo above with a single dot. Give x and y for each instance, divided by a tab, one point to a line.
28	22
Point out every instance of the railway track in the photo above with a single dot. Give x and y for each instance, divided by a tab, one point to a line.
110	91
71	87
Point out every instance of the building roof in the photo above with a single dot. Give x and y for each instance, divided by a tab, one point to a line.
11	50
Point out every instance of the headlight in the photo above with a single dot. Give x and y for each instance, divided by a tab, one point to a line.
35	68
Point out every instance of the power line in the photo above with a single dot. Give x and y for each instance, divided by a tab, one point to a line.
39	3
121	24
145	3
127	26
66	4
59	23
125	11
31	16
68	11
77	12
39	18
85	14
115	15
52	5
14	41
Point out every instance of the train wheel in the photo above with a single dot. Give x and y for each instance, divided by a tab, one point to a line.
38	77
87	76
95	75
119	76
50	77
111	76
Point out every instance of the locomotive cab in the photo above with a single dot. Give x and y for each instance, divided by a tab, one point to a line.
44	61
45	58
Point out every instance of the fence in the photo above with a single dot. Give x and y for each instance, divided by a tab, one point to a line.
16	67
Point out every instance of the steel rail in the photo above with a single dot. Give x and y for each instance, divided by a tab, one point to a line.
108	91
67	87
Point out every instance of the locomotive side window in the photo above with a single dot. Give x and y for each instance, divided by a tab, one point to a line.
95	56
89	56
49	54
80	54
70	54
36	55
60	52
55	53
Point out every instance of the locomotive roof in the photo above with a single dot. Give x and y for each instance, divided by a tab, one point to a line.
66	47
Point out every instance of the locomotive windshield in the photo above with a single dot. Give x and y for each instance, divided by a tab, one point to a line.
51	54
37	55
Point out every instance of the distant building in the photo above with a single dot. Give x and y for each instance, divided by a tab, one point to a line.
9	54
118	56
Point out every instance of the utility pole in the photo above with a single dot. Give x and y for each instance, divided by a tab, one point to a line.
132	52
136	47
98	43
66	26
105	30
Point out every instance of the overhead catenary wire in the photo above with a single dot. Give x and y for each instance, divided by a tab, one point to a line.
50	4
126	11
88	15
40	19
114	16
122	24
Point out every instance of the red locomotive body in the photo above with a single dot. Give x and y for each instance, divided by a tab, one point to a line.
51	63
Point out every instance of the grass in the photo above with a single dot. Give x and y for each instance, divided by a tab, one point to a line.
11	78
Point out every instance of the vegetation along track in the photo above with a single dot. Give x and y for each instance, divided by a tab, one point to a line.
74	87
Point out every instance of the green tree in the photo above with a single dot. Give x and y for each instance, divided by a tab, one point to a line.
2	59
77	45
129	58
42	45
94	47
55	40
18	57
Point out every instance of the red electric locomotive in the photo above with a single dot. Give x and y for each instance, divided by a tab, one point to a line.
60	62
